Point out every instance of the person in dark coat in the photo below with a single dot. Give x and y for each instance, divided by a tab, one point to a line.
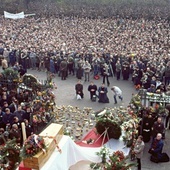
52	67
71	65
14	105
47	62
158	127
4	99
161	88
103	94
125	70
15	133
17	122
157	147
22	71
106	74
167	74
79	73
147	127
1	116
12	57
28	128
20	113
5	106
28	113
92	88
2	138
63	69
118	69
79	89
7	117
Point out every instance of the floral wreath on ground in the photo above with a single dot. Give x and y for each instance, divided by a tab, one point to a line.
118	122
32	146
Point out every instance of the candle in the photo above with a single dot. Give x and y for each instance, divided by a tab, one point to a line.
23	131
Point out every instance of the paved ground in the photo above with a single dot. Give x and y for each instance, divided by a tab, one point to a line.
65	95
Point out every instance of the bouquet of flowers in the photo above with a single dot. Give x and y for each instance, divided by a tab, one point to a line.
130	131
32	146
116	161
136	104
104	152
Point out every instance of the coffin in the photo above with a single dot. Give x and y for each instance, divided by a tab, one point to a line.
52	135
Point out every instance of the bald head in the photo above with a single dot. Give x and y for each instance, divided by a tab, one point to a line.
159	136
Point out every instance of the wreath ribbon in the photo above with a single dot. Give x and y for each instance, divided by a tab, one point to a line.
36	141
55	141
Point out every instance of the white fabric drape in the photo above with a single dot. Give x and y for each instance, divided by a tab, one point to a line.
72	153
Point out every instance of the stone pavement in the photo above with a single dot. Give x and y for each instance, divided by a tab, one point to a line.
65	93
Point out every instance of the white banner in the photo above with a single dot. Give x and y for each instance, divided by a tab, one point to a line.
14	16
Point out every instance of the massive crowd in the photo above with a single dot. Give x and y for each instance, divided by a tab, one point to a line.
136	48
44	42
120	47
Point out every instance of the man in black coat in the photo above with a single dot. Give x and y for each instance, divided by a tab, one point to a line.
21	114
63	69
103	94
79	89
15	133
92	88
158	127
7	117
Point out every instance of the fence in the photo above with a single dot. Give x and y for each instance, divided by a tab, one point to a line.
12	84
149	99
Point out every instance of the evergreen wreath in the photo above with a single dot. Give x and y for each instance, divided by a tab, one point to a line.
113	129
10	73
9	155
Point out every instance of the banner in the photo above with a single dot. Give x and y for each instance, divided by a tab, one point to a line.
13	16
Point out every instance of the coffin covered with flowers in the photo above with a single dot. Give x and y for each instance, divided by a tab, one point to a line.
37	149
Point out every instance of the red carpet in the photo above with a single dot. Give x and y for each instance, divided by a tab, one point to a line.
96	139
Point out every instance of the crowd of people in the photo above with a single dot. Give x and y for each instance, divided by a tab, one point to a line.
119	47
60	45
19	106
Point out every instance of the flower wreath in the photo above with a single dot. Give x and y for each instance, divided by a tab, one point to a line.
32	146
